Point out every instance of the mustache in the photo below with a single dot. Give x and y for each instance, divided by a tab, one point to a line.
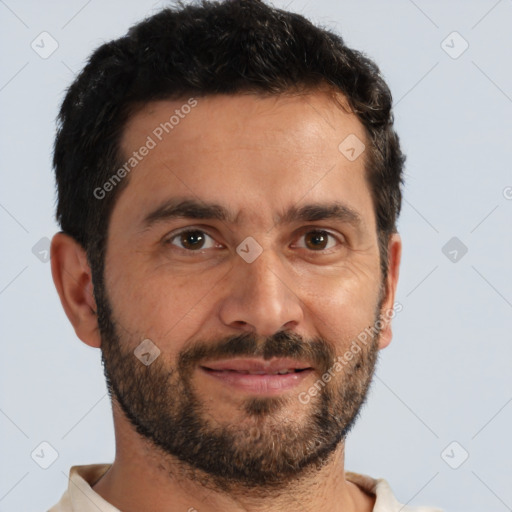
281	344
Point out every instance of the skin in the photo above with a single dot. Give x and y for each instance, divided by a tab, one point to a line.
257	157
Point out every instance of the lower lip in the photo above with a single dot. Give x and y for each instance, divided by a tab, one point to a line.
259	384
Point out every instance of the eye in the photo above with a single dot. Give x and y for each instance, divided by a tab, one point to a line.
318	240
192	240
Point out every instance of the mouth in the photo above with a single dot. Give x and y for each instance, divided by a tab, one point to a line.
258	376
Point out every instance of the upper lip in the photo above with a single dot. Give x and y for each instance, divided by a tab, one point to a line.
256	365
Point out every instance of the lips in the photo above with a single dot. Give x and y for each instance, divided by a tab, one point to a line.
257	376
258	366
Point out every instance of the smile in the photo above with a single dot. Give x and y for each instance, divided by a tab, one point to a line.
257	376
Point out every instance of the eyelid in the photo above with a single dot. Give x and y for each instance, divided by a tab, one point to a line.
301	232
311	229
171	236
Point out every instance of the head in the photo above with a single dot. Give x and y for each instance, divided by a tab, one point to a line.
231	120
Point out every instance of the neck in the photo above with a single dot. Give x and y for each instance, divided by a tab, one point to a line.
142	478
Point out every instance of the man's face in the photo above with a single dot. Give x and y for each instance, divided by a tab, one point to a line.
283	281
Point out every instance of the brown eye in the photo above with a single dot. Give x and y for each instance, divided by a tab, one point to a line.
192	240
318	240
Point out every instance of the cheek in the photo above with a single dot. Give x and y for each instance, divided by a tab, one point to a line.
160	305
342	307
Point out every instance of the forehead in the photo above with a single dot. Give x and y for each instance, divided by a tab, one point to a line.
301	120
254	154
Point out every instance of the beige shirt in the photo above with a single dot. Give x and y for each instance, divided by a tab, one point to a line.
80	496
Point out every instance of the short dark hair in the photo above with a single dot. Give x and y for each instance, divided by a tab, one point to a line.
207	48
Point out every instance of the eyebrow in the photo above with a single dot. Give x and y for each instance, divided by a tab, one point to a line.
194	209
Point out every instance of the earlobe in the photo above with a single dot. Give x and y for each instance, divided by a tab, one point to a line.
73	281
388	312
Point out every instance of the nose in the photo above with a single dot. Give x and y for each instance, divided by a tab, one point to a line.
260	298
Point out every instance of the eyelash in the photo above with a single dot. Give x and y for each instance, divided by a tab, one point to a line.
306	231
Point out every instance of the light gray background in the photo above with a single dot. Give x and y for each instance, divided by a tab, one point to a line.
447	374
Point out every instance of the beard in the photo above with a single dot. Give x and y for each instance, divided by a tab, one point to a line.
268	447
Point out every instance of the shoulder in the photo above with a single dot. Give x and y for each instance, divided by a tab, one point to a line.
79	495
385	500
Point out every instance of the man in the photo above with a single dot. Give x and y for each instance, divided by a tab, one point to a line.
228	187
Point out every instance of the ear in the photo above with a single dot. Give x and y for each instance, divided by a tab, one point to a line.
388	311
72	277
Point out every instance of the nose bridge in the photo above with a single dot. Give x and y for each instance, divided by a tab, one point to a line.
266	275
260	297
